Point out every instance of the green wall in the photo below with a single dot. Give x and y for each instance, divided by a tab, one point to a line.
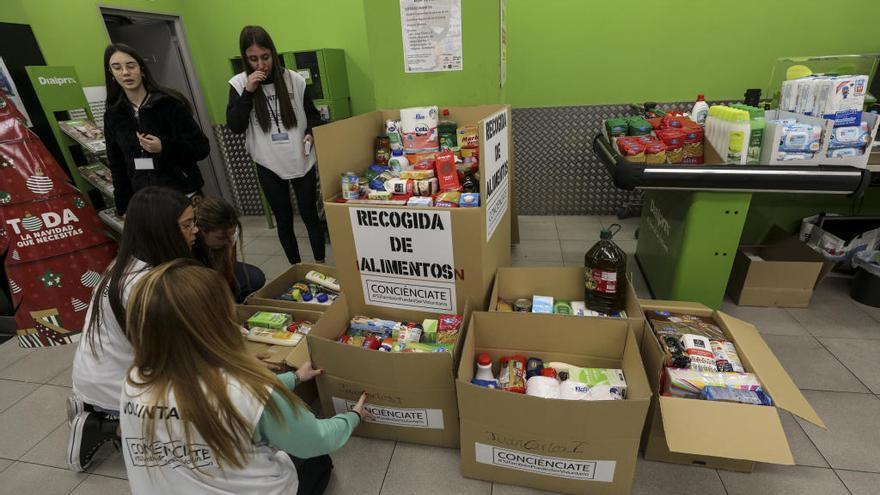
13	12
575	52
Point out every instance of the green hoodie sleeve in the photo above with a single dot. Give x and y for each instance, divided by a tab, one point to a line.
300	433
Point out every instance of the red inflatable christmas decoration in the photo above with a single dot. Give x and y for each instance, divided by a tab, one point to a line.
55	245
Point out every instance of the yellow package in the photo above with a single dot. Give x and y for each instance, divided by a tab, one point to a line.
417	174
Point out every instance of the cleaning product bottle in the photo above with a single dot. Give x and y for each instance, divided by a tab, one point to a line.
738	135
756	133
700	110
605	274
484	376
323	280
398	161
446	131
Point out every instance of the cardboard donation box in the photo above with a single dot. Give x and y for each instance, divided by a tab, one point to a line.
271	293
781	275
721	435
411	395
560	283
567	446
427	259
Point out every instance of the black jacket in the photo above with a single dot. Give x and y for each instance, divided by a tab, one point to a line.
183	144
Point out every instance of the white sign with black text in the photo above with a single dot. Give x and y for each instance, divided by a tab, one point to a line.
559	467
405	258
495	189
395	416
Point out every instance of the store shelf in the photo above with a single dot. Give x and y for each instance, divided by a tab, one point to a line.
98	175
110	217
730	178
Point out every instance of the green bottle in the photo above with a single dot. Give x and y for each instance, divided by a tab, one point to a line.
756	136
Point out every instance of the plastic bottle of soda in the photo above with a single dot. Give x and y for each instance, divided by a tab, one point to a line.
605	274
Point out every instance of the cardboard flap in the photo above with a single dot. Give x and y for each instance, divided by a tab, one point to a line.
748	432
674	306
779	385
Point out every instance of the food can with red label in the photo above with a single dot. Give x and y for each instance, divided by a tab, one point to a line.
351	188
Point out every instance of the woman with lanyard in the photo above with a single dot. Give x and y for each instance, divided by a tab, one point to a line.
152	138
270	104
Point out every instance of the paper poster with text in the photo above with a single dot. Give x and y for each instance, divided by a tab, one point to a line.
405	258
497	165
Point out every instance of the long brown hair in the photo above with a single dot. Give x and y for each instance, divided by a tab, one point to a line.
215	213
182	326
151	235
256	35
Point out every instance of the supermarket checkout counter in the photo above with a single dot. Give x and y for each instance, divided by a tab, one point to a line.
693	216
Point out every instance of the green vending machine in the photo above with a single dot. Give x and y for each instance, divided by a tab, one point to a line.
325	75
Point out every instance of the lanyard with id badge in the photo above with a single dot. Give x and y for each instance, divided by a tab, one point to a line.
279	137
142	162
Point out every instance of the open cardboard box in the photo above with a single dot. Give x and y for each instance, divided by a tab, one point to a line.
293	356
411	395
717	434
269	294
561	283
565	446
385	257
781	275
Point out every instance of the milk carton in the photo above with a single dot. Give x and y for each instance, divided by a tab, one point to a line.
419	128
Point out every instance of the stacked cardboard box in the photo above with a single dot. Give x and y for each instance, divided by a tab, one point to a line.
269	294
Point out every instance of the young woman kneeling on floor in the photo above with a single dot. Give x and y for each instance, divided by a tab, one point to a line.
160	226
217	247
201	415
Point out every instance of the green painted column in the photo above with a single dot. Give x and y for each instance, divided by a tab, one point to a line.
687	243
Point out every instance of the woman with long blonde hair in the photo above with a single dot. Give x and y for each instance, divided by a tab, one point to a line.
198	413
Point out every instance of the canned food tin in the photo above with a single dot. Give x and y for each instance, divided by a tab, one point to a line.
351	188
522	305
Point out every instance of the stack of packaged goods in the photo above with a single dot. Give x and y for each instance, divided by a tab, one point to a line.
552	380
673	138
432	335
276	328
547	305
736	132
701	363
420	161
316	288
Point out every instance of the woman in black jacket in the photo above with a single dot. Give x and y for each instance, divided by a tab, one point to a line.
152	138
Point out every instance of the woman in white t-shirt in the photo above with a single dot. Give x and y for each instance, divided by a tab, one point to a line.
198	413
160	226
270	105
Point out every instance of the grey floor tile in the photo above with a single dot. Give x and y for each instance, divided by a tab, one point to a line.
252	221
63	379
11	352
52	450
5	463
535	227
628	227
102	485
628	246
428	471
833	314
860	483
852	440
573	251
501	489
31	419
255	259
22	477
265	246
811	366
13	391
580	228
802	448
660	477
783	480
537	250
41	365
860	357
352	475
109	462
274	266
769	321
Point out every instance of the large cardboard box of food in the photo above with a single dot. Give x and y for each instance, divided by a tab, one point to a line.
418	258
411	395
781	275
560	283
293	356
721	435
270	294
567	446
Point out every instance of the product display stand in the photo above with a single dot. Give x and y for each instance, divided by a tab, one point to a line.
693	216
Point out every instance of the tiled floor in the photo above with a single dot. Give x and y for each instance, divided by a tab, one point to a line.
831	350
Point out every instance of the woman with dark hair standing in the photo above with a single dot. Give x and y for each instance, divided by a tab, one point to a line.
160	227
152	138
270	104
217	247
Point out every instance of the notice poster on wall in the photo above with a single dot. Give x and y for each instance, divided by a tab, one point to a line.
405	258
7	85
496	187
431	35
503	42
